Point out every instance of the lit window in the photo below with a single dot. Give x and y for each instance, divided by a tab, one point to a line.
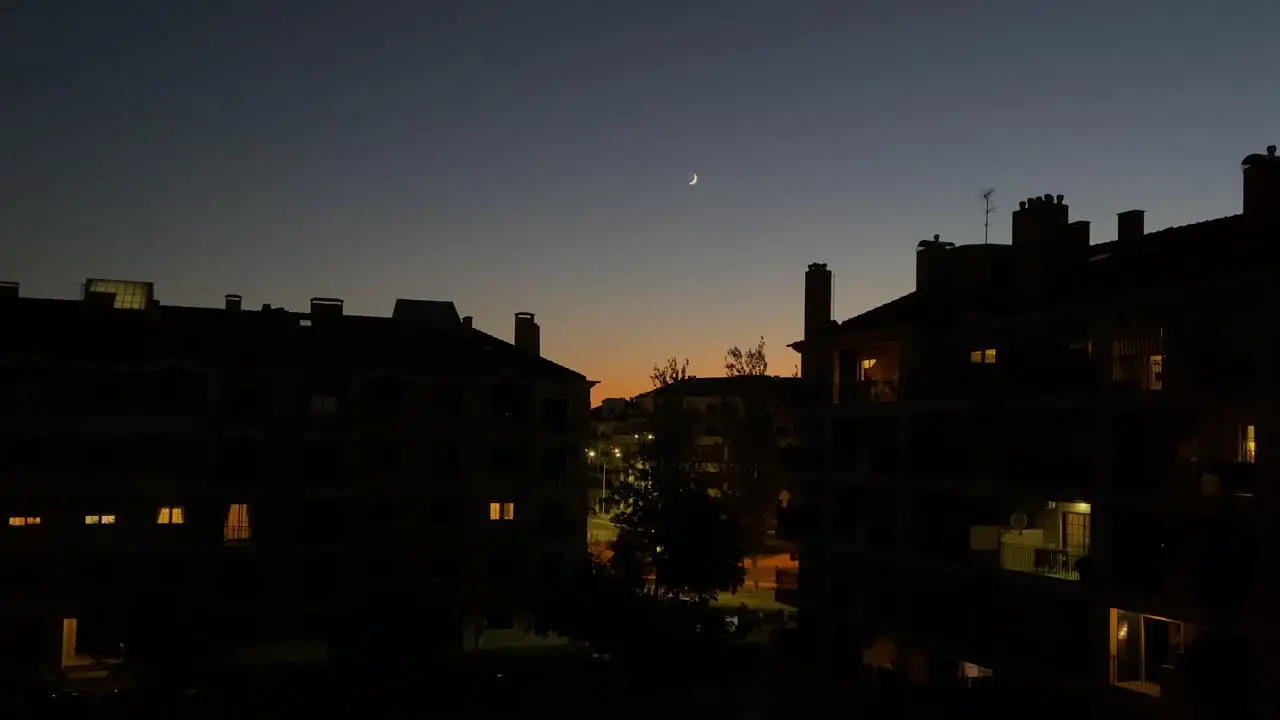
324	404
975	356
1250	445
23	521
99	519
129	295
502	511
171	515
864	365
237	525
983	357
1155	372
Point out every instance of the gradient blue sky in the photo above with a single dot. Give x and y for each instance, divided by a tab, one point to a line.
533	154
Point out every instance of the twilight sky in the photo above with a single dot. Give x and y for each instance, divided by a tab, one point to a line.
533	154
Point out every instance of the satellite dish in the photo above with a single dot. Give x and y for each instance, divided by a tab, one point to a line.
1018	520
1210	484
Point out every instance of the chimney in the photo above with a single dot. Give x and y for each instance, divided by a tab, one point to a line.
8	288
325	308
233	302
528	333
1262	184
1038	219
468	322
817	299
1129	225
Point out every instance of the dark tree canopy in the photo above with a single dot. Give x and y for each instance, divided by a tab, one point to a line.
671	528
751	361
671	371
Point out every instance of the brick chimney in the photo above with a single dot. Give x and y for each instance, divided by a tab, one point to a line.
817	299
1262	184
528	334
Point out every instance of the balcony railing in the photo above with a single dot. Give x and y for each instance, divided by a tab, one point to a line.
1157	681
1050	562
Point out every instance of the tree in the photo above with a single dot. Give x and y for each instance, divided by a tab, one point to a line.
673	370
752	475
670	527
749	362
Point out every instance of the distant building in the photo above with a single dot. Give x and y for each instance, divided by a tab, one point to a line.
1048	464
277	475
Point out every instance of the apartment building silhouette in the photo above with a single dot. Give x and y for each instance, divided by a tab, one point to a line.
187	475
1048	464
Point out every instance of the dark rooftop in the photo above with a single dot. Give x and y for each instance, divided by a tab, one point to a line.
422	337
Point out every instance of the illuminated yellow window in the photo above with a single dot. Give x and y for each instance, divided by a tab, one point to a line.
1250	445
975	356
864	365
170	515
237	524
983	357
502	511
99	519
1155	372
23	521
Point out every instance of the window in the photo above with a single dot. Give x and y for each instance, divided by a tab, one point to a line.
864	365
237	525
1155	372
502	511
170	515
99	519
324	405
1249	446
129	294
23	521
983	357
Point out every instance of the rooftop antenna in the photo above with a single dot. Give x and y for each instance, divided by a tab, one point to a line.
986	213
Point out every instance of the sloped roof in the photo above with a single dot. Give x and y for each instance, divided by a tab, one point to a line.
70	330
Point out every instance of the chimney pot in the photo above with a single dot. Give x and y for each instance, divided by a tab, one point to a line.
1271	150
468	322
233	302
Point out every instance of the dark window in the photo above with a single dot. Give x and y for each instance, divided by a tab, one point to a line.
555	414
323	522
510	457
445	511
446	457
511	399
382	453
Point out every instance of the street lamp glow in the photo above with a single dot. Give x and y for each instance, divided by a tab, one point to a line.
617	452
591	453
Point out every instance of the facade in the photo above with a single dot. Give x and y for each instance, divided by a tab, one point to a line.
279	476
1048	464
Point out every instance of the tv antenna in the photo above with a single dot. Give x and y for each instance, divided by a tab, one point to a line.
986	213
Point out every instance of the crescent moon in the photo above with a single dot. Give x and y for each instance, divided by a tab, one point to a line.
694	181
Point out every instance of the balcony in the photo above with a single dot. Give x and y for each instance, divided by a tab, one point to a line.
1051	541
1146	653
1050	562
